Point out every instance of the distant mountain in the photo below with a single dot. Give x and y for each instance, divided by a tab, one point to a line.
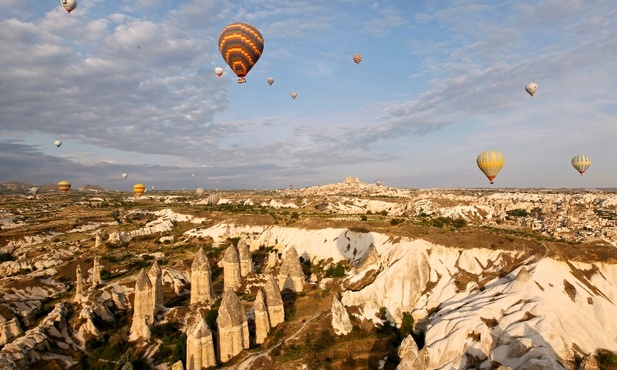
9	187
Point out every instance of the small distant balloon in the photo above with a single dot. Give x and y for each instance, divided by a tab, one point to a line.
270	81
531	88
69	5
124	175
490	163
294	95
378	182
581	163
153	188
34	190
357	58
139	189
57	143
199	191
218	71
193	175
64	186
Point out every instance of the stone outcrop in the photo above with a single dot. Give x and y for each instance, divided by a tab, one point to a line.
143	308
200	347
246	263
79	285
370	257
96	273
177	366
589	362
201	279
233	330
290	274
231	269
274	301
262	320
411	358
156	279
97	239
273	258
9	329
340	318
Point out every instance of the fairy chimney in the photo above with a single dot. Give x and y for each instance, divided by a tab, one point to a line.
200	347
97	239
201	283
290	274
262	321
231	269
233	330
274	301
340	318
143	307
79	285
273	258
156	279
96	273
246	263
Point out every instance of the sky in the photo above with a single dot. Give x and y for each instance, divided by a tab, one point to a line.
129	87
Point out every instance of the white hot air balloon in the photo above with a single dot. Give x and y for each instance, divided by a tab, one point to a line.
124	175
69	5
218	71
57	143
531	88
199	191
270	81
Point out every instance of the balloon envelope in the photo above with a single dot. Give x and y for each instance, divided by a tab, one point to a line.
218	71
581	163
199	191
57	143
490	163
213	198
64	186
241	46
139	189
357	58
270	80
69	5
294	95
124	175
531	88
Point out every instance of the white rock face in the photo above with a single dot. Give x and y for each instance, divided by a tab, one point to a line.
232	278
411	358
232	327
274	301
262	320
290	274
156	278
200	347
201	283
143	308
340	318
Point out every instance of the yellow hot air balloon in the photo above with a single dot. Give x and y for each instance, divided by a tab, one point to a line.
241	46
357	58
294	95
139	189
581	163
531	88
64	186
490	162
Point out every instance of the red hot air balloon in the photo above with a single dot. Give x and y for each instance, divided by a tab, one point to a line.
241	46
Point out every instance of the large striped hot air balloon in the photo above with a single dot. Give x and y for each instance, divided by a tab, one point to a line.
490	162
139	189
64	186
241	45
357	58
581	163
213	198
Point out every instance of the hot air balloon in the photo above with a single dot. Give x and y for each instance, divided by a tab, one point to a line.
213	198
64	186
124	175
378	182
199	191
241	45
357	58
490	162
531	88
34	190
270	81
139	189
193	175
57	143
294	95
581	163
218	71
69	5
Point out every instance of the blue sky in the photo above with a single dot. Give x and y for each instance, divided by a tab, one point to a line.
129	87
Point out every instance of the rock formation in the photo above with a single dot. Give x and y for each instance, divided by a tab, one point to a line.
262	321
156	279
143	308
290	274
9	329
233	330
79	285
201	283
274	301
200	347
246	263
177	366
231	269
96	273
411	358
370	257
340	318
273	259
97	239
